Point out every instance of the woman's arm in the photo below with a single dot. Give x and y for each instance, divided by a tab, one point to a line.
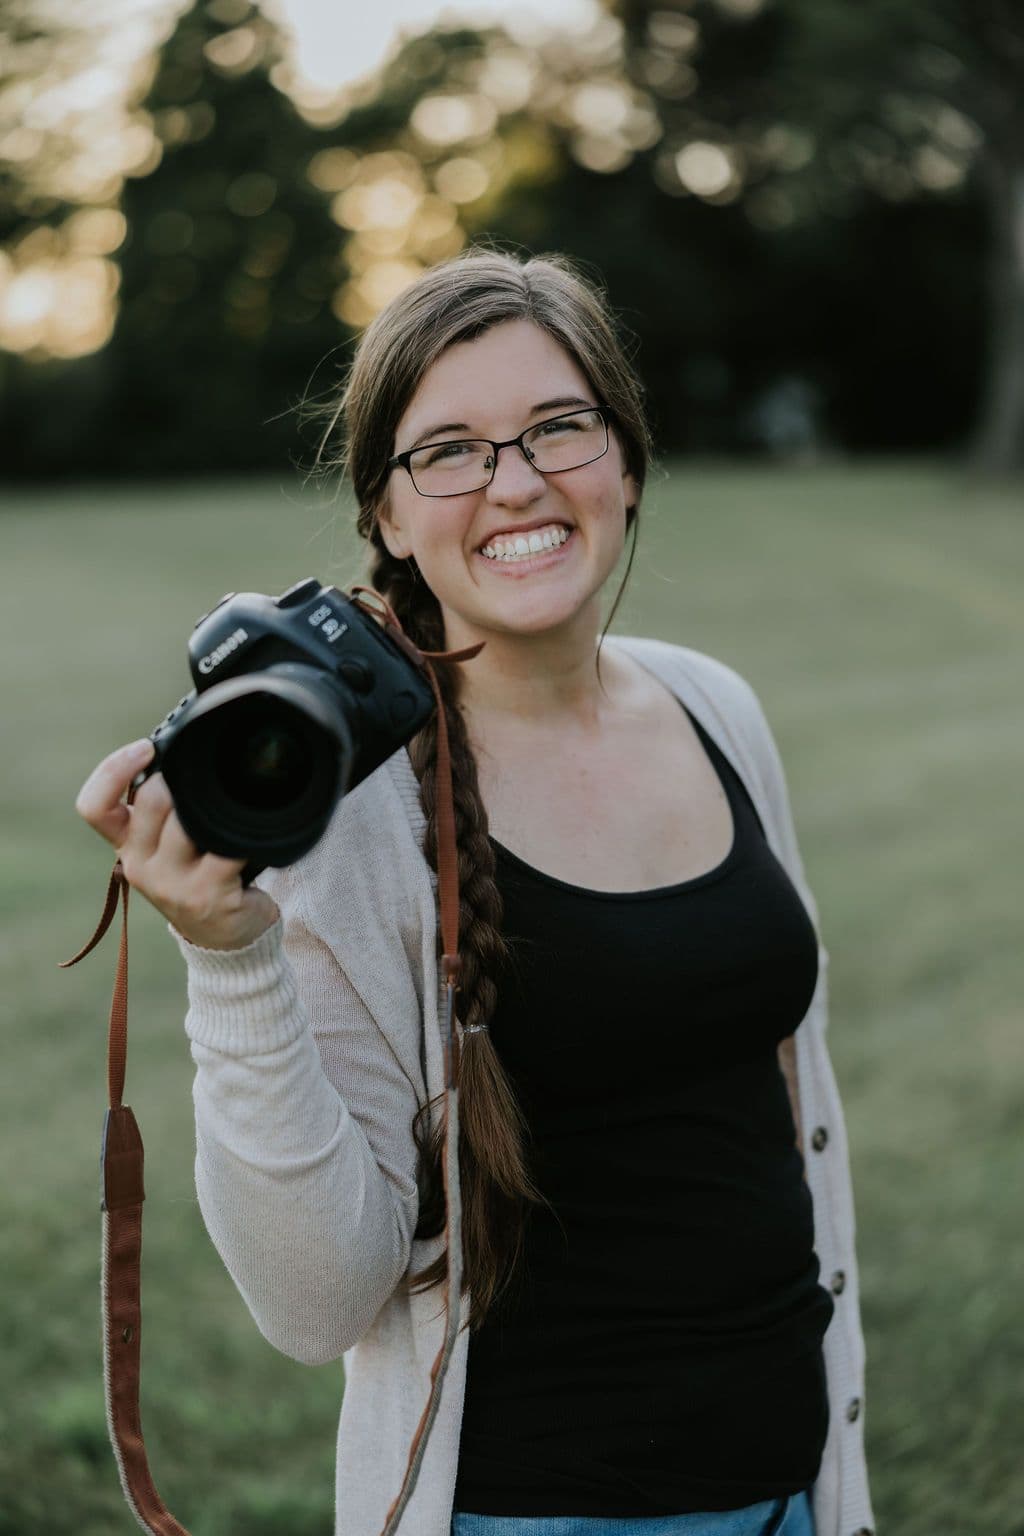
305	1162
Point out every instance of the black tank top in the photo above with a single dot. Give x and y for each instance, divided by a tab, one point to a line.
662	1353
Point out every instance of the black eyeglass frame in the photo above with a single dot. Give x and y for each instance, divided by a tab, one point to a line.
403	459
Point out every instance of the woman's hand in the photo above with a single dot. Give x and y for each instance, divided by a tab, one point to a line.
200	894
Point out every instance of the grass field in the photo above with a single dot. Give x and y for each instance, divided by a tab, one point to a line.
877	610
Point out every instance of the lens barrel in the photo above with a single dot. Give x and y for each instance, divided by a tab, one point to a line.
260	762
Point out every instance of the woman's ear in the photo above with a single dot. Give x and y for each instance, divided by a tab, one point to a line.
395	541
630	489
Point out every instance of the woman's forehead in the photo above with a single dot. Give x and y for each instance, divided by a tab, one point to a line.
503	373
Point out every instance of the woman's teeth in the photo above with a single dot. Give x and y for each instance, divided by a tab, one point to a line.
521	546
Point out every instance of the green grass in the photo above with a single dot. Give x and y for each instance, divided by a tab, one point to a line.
877	611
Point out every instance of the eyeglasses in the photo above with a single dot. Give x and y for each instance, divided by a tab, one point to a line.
468	463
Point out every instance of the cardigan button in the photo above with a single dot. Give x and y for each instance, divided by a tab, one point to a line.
819	1138
838	1283
865	1530
853	1409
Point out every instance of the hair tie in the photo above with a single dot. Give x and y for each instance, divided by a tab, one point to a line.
471	1029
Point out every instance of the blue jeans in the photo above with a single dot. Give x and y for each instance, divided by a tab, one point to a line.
775	1517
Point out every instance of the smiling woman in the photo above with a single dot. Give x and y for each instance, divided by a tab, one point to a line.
652	1173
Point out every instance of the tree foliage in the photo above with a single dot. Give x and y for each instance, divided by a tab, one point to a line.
811	110
794	205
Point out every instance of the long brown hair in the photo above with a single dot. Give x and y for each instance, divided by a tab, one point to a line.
455	301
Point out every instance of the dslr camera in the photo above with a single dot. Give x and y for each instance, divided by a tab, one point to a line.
297	699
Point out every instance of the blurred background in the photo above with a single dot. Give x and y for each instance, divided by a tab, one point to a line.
809	211
809	214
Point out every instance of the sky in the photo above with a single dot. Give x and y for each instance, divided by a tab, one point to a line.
336	42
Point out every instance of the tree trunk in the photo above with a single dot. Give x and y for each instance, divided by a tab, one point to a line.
998	446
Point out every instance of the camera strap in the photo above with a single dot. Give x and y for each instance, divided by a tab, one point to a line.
121	1155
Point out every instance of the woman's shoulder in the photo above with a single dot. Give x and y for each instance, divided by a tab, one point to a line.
688	671
728	707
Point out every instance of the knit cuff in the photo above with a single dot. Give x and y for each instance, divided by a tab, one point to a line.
242	1001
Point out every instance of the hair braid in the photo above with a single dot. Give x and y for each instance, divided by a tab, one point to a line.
496	1187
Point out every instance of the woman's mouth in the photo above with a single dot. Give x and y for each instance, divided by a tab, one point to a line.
539	545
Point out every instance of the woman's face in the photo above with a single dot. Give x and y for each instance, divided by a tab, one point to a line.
495	386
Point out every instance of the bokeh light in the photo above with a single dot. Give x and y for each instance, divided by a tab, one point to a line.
72	124
59	309
709	171
446	120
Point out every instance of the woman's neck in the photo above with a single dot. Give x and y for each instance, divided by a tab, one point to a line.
544	680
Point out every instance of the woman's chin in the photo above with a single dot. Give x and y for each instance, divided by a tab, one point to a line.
532	615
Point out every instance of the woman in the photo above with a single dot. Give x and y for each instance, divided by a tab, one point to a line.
661	1295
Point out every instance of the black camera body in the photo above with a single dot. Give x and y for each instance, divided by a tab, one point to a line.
297	699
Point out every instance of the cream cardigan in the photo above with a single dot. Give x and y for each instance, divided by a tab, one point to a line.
315	1044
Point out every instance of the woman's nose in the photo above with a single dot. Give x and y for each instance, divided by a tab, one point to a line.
515	479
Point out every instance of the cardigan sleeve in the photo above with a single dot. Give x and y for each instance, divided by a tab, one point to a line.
834	1182
305	1160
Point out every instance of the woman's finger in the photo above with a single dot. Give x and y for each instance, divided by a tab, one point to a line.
150	809
178	850
98	801
201	894
175	848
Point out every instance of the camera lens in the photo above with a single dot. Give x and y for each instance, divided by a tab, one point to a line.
258	766
264	763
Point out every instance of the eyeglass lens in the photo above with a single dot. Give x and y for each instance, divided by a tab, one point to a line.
565	442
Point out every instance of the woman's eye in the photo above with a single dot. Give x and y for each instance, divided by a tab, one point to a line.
552	428
448	451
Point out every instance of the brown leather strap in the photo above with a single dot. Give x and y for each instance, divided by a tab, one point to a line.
451	965
122	1154
117	1044
447	852
122	1319
121	1166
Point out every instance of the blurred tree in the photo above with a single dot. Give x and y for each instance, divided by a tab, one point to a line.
42	175
796	275
231	258
57	228
940	86
746	320
801	107
457	124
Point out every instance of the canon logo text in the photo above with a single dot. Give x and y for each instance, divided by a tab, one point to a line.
208	663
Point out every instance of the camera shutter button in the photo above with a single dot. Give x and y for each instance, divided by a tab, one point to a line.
218	604
300	593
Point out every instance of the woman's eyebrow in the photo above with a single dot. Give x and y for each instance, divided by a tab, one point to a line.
463	426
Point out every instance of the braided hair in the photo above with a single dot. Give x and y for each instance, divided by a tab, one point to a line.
456	301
